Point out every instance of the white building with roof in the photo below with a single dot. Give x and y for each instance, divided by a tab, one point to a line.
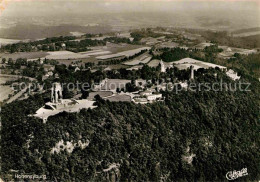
232	74
154	97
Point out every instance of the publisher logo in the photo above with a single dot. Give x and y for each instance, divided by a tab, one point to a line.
232	175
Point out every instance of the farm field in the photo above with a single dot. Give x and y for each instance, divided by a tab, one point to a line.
136	67
58	55
5	79
67	62
117	66
154	63
95	52
127	53
28	55
65	55
5	90
77	34
116	48
230	51
101	94
168	45
8	41
120	98
132	62
134	51
245	34
141	59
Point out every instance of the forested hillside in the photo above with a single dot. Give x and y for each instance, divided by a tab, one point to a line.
220	130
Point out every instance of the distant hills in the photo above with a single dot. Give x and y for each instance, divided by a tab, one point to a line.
246	32
32	31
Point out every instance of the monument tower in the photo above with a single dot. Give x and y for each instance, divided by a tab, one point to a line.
163	69
191	72
56	93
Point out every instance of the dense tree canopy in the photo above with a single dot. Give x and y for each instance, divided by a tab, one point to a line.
147	141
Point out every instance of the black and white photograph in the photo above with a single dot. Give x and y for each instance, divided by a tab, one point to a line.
129	90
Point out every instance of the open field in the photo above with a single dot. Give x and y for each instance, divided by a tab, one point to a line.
5	90
112	48
134	51
28	55
117	66
5	79
154	63
116	48
65	55
167	45
101	94
141	59
127	53
95	52
203	45
90	59
110	56
132	62
136	67
77	34
120	98
230	51
246	34
8	41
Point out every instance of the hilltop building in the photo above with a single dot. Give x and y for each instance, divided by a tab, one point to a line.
63	46
233	75
111	85
147	96
58	104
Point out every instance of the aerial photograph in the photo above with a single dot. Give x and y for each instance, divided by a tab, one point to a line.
129	90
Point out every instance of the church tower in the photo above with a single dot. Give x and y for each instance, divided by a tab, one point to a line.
56	93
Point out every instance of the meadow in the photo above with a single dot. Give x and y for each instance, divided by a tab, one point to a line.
5	90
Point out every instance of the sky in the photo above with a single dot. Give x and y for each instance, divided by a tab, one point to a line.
124	5
244	12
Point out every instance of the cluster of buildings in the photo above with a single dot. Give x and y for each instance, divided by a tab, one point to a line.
117	86
118	90
147	96
58	104
194	65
